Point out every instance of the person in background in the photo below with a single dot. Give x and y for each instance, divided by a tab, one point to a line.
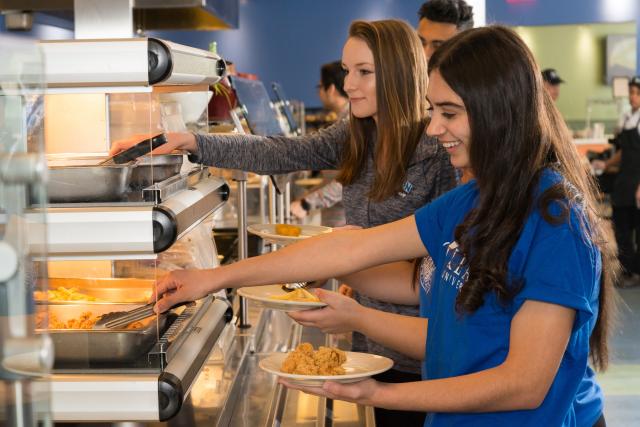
519	245
440	20
331	90
625	197
631	118
328	197
387	164
552	82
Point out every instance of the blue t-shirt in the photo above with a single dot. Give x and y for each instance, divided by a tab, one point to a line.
558	264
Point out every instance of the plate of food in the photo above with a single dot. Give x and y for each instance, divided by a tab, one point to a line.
309	367
276	298
285	234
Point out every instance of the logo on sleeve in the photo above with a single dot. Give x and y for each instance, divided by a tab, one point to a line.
427	270
455	271
407	188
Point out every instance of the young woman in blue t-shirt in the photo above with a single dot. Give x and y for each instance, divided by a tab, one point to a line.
522	290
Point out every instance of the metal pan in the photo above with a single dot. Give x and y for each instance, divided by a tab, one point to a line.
156	168
88	183
78	179
100	291
84	347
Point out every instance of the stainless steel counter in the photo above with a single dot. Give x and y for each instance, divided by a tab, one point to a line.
233	391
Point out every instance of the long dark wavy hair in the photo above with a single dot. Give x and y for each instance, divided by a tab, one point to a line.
516	133
401	93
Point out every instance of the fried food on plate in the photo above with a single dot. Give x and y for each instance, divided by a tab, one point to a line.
300	295
288	230
305	361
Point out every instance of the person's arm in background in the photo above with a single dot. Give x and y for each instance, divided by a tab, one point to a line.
320	256
263	155
324	197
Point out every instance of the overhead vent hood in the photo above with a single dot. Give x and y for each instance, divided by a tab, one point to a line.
149	14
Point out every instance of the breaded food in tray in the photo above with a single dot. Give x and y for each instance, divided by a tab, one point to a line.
95	291
85	346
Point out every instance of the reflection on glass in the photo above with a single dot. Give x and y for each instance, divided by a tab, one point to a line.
25	356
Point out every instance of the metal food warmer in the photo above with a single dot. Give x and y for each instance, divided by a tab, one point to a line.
112	230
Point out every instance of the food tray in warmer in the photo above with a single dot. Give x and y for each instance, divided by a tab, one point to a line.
89	346
80	179
95	291
152	169
84	183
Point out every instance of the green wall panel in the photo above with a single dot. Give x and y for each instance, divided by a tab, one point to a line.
578	53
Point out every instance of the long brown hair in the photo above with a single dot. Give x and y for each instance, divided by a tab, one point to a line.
401	87
516	133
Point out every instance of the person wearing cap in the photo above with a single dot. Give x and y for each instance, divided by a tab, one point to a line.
552	82
625	197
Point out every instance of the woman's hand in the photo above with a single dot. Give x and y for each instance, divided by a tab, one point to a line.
183	285
363	392
175	141
342	314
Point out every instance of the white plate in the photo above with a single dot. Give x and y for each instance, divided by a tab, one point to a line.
359	366
262	295
268	233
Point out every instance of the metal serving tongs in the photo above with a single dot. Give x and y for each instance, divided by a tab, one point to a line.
290	287
132	153
119	319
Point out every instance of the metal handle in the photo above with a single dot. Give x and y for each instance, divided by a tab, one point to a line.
137	314
140	149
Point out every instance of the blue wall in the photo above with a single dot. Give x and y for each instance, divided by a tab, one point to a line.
558	12
288	40
45	27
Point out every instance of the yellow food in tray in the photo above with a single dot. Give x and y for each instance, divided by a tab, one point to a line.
288	230
62	294
86	320
305	361
300	295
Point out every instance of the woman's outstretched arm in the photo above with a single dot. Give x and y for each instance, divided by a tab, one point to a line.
329	255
